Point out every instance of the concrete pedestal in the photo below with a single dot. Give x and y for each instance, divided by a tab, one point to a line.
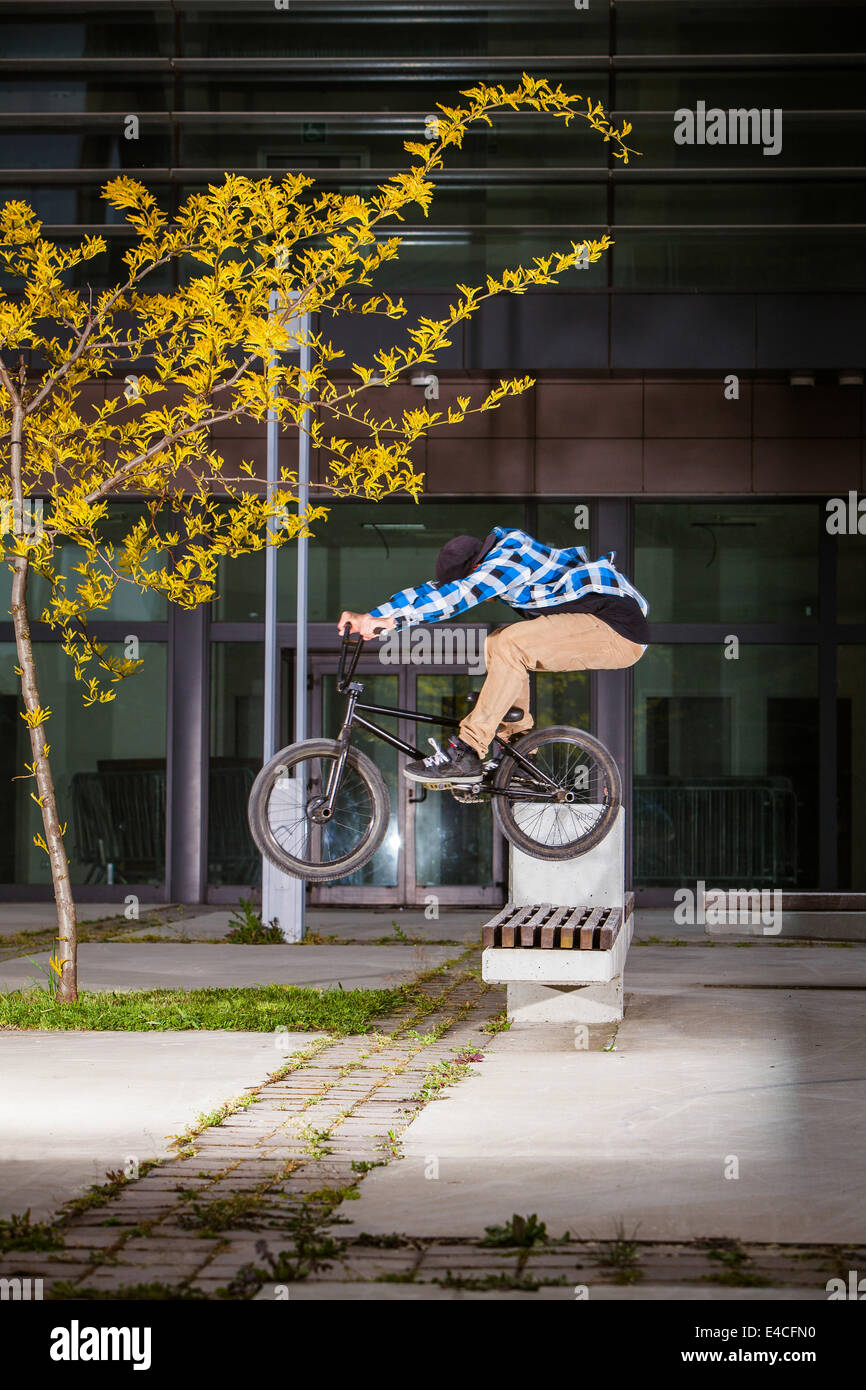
596	879
283	895
559	986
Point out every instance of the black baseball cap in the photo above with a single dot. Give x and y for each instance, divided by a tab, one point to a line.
459	556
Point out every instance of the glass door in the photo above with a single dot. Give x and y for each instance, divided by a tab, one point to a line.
454	851
437	850
383	878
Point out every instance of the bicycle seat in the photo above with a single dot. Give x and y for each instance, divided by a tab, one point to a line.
510	717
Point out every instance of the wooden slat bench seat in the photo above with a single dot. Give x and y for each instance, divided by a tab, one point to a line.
545	927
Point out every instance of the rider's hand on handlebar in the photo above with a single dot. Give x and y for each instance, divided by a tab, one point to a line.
364	625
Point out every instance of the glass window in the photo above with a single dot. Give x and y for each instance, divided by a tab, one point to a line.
851	714
565	523
727	562
362	139
100	90
669	26
726	767
851	579
320	30
267	89
453	840
106	269
360	556
68	146
562	697
831	141
442	257
708	202
383	868
108	762
78	31
742	260
236	739
129	602
770	85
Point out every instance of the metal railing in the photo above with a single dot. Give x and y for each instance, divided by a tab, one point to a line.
728	831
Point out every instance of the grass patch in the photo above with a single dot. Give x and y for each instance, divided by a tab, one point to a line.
253	1009
20	1233
68	1289
489	1283
384	1242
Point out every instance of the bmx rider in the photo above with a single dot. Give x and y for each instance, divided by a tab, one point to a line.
585	616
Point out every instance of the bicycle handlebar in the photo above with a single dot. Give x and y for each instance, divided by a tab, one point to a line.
344	675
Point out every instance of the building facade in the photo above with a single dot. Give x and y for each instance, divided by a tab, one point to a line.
698	409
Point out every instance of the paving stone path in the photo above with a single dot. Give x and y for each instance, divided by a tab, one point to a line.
248	1206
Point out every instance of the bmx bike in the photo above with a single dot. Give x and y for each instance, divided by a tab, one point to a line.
320	809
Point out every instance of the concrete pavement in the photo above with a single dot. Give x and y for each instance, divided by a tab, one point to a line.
76	1105
37	917
729	1103
104	966
737	1110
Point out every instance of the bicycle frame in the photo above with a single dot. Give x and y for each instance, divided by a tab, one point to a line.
349	655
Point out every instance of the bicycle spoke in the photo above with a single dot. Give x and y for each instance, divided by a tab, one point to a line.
299	834
572	769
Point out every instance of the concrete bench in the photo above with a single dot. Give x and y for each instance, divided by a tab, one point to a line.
560	943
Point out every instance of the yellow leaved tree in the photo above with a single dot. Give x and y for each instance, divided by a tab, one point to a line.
194	357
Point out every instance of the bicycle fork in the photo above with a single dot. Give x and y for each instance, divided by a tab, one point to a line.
335	778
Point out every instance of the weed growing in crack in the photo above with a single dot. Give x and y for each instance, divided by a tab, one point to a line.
20	1233
520	1231
224	1213
620	1257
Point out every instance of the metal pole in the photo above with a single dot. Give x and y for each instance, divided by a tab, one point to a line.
303	550
271	553
283	896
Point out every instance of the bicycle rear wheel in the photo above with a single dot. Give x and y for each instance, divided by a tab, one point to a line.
589	786
285	819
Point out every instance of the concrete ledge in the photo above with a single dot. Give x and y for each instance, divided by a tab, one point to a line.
797	926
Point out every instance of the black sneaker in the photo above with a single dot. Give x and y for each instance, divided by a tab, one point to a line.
454	765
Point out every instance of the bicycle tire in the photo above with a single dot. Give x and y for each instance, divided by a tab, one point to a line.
260	829
503	810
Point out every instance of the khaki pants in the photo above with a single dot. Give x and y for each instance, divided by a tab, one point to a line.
560	642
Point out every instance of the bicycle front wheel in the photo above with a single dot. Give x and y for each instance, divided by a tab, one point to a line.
581	811
286	818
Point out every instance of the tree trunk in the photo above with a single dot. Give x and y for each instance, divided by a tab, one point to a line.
67	950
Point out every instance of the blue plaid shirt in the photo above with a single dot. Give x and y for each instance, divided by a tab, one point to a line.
521	572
